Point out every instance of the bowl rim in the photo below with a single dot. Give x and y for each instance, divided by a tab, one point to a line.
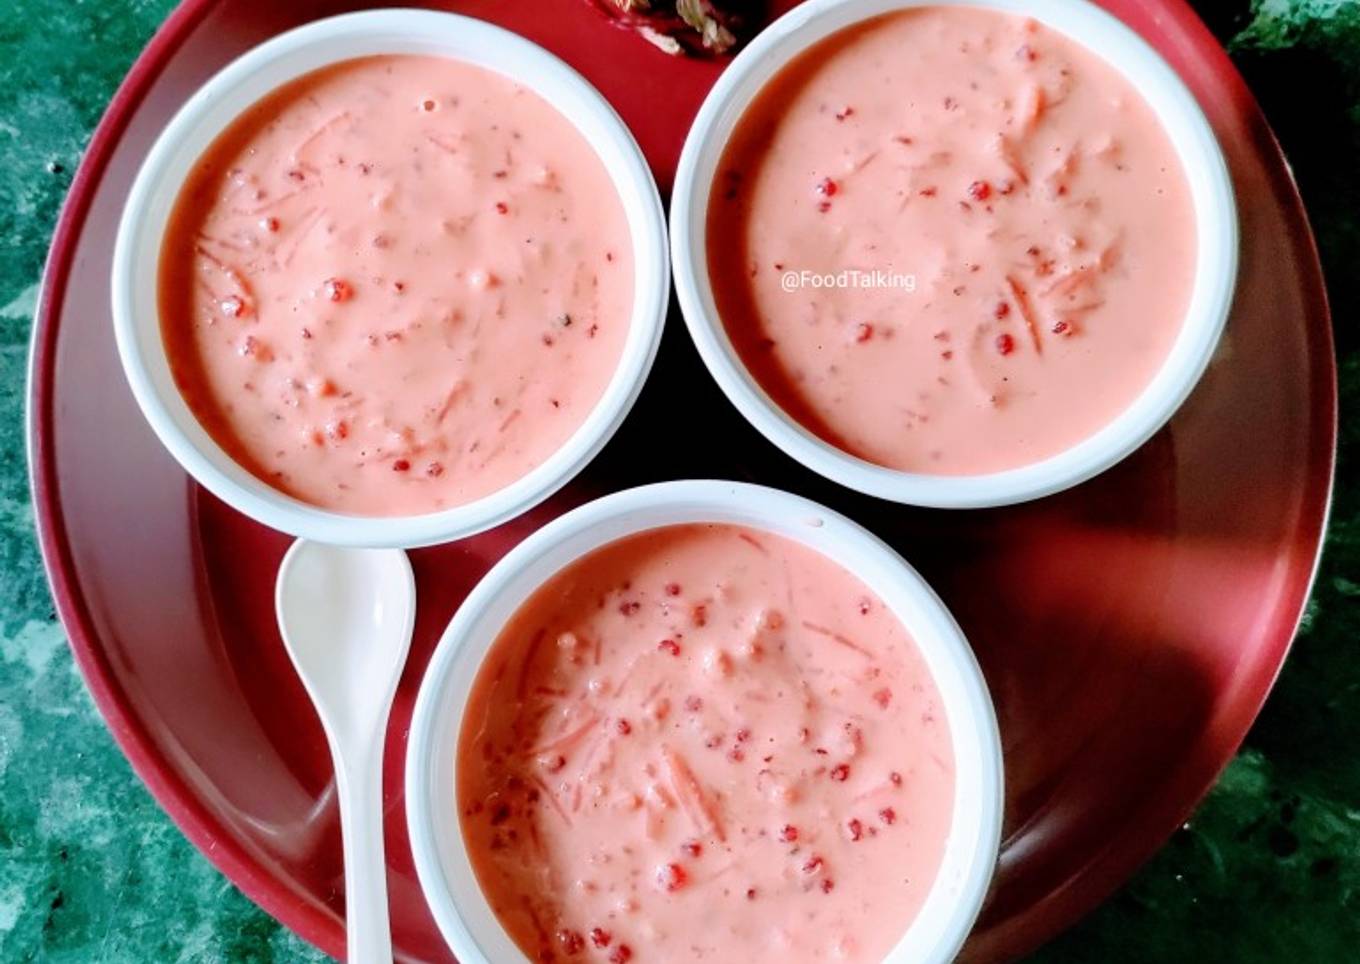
1217	242
447	880
287	56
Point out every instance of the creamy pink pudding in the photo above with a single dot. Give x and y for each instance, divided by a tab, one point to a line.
1032	208
396	285
705	742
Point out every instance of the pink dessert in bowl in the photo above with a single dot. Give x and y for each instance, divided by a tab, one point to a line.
396	285
697	741
953	254
703	720
390	278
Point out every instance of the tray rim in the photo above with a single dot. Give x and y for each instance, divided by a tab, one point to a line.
1106	869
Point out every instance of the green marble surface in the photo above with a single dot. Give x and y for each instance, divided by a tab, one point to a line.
90	869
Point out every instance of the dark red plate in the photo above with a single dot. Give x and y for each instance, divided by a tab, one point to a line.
1130	629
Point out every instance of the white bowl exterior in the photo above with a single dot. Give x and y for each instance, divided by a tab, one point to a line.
464	916
244	82
1210	300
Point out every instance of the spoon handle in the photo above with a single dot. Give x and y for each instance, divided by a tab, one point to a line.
359	786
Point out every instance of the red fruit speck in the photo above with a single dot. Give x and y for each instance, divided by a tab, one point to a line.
570	941
254	348
1003	309
1005	344
840	772
789	833
233	306
743	734
669	646
895	778
863	332
750	893
823	206
828	885
813	865
888	815
672	589
337	290
502	207
845	112
692	847
434	470
826	187
883	697
670	877
621	954
979	190
401	465
854	828
600	937
736	754
623	726
1061	328
694	703
270	224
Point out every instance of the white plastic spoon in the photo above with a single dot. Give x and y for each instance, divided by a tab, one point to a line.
346	616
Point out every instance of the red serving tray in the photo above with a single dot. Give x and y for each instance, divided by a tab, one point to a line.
1130	629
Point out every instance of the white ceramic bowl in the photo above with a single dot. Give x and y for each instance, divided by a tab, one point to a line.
1210	300
239	85
462	912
